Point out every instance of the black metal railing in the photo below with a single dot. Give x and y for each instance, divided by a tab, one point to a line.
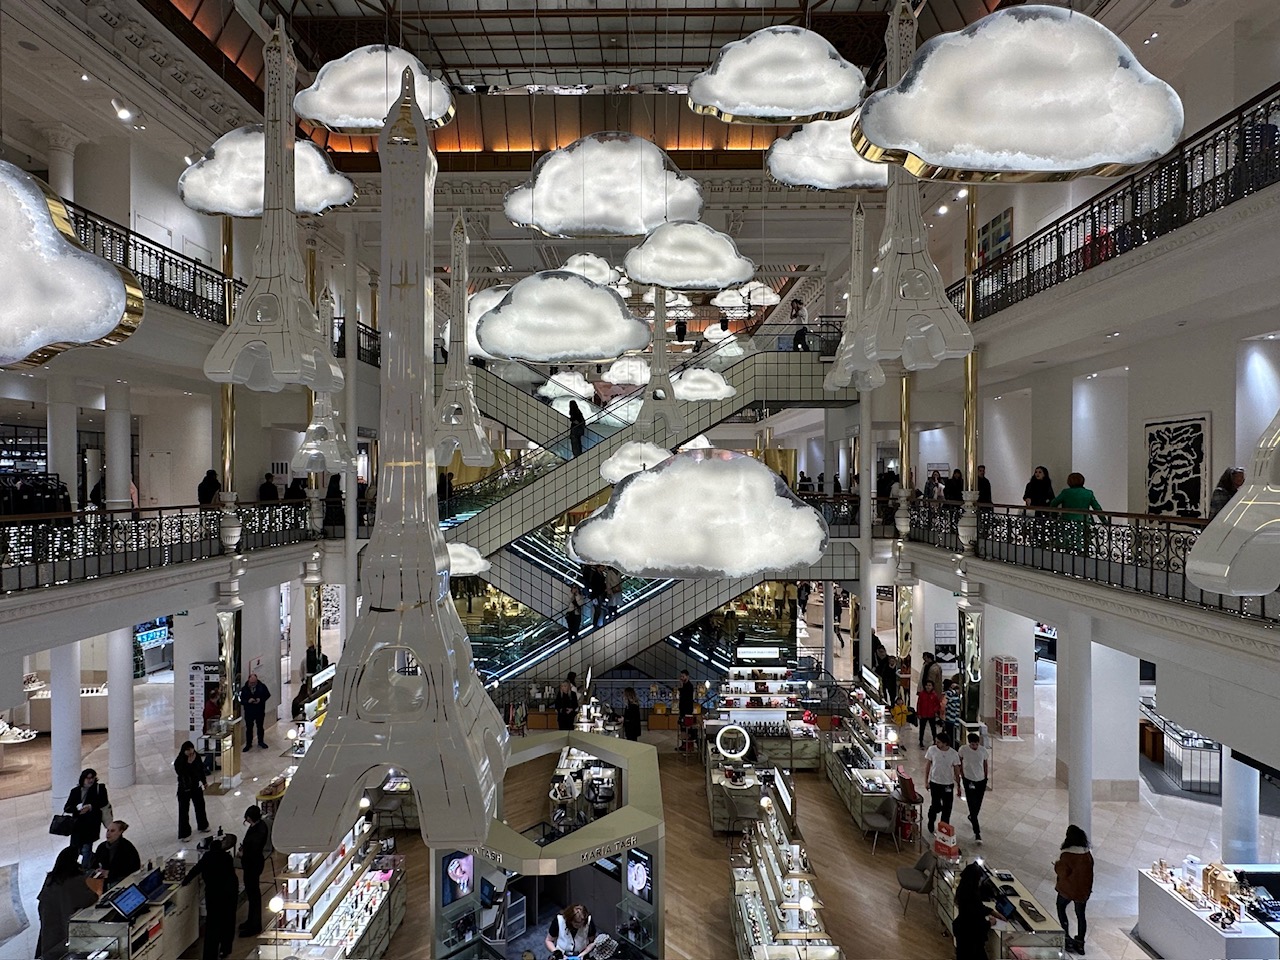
1143	553
1214	167
368	343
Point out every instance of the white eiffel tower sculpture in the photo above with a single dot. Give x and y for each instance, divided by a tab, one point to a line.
660	403
851	364
406	695
276	337
457	416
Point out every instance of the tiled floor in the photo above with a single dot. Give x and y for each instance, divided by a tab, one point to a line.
1023	819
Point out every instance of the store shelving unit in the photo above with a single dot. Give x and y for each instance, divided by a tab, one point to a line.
1006	676
767	704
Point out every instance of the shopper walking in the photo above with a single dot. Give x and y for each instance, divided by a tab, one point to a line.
1229	483
253	857
573	616
612	592
566	706
189	766
904	678
974	919
930	670
630	714
85	803
577	428
64	893
838	603
598	590
221	898
208	488
928	706
942	773
116	857
267	489
1039	489
685	709
253	698
802	595
974	770
951	709
1074	868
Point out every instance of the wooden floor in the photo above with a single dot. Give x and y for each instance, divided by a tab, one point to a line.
863	912
27	765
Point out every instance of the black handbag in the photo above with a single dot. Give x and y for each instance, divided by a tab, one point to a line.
62	824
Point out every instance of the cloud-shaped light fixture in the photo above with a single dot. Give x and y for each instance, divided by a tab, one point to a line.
478	304
567	384
594	268
604	185
56	294
228	177
672	298
700	384
353	94
466	561
688	255
735	516
739	301
559	317
632	370
631	458
1048	94
821	155
779	74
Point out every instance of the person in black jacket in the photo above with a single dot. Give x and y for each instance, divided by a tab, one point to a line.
267	490
253	857
335	514
64	893
566	705
208	489
953	488
630	714
1039	489
577	428
221	897
984	485
85	803
189	766
297	489
253	697
974	918
116	857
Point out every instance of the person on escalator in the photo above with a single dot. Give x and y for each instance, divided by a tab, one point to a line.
577	428
573	617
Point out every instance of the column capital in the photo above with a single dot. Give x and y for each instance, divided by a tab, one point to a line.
59	136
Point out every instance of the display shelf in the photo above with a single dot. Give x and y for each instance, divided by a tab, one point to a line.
365	919
635	923
1005	670
865	791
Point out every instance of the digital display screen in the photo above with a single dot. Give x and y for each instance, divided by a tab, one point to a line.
128	901
640	874
487	893
457	876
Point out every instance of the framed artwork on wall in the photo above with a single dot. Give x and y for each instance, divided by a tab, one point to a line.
1178	481
996	237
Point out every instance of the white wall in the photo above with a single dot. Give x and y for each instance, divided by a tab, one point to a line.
1099	440
1115	708
102	179
160	215
1006	634
1006	444
175	435
936	446
1257	398
937	606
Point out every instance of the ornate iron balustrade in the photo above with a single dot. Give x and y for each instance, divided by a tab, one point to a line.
1143	553
368	343
165	276
43	550
1222	163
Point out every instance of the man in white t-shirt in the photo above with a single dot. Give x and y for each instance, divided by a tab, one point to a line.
942	773
974	768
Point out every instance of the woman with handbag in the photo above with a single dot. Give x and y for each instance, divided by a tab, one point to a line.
64	893
189	766
86	803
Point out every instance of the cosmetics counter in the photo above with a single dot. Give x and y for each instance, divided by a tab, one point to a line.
1195	912
859	753
765	702
148	915
1025	929
777	913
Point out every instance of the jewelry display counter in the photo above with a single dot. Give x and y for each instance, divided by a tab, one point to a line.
1177	927
1031	933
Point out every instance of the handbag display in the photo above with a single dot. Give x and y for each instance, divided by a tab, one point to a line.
62	824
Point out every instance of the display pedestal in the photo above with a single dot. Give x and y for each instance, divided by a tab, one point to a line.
1172	927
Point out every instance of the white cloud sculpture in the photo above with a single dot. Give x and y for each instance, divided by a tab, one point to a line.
466	561
735	516
567	384
687	255
604	185
478	304
821	155
594	268
673	298
1044	89
631	458
560	405
353	94
559	317
742	299
628	370
623	411
229	177
700	442
700	384
778	75
56	294
713	334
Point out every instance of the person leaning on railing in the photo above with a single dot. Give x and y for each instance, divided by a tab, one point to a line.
1075	496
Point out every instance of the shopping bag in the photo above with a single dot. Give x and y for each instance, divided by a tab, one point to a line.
107	815
62	824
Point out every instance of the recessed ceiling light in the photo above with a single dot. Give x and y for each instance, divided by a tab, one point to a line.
942	210
962	192
84	77
122	109
875	269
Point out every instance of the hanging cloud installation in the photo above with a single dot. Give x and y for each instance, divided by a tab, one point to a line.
478	304
569	384
821	155
700	384
466	561
735	516
778	75
353	94
228	178
687	255
633	370
1046	90
605	185
595	268
631	458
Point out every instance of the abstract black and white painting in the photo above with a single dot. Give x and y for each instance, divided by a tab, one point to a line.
1178	465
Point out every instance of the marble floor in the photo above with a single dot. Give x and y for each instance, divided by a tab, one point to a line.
1024	818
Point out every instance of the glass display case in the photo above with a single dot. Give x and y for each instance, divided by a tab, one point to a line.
1191	762
767	703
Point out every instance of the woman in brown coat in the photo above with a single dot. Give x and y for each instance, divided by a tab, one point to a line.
1075	883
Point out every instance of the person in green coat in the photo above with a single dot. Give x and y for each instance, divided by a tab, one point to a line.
1075	496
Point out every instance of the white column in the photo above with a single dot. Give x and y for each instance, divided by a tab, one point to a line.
61	422
1075	700
1239	810
828	627
62	142
64	736
1114	689
120	709
866	508
119	446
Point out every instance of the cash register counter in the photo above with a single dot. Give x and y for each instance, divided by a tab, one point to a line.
1031	934
162	929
